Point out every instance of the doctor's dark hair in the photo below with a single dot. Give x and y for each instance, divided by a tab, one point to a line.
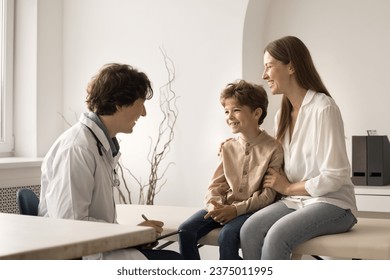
117	85
247	94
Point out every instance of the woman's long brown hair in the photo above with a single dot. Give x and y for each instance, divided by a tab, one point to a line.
291	49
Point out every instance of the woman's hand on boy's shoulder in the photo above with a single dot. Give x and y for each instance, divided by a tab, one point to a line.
220	147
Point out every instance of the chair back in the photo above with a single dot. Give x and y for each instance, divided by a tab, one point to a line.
27	202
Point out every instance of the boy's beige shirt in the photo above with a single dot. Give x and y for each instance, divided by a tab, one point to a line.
238	179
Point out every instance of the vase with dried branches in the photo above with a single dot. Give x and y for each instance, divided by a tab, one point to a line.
159	148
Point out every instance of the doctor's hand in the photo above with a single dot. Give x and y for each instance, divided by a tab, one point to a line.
221	213
157	225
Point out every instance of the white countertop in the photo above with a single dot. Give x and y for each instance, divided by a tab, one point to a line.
372	190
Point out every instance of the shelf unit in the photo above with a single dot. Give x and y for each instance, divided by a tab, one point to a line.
373	198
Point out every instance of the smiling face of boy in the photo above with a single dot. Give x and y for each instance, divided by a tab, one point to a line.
241	119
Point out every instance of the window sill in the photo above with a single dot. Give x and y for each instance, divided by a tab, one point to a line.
19	162
16	171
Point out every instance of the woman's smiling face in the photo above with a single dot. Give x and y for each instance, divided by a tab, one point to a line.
277	74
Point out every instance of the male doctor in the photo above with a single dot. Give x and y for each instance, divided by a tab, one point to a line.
79	171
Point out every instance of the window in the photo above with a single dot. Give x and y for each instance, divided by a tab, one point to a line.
6	77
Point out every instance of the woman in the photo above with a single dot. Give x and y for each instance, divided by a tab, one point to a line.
318	195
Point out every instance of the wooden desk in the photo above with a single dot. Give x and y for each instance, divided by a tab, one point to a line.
31	237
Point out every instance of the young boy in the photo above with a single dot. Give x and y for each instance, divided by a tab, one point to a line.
236	190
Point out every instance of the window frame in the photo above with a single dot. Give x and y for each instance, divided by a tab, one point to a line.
6	76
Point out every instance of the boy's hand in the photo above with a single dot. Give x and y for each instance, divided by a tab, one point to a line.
221	213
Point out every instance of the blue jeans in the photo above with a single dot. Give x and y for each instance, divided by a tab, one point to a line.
195	227
273	232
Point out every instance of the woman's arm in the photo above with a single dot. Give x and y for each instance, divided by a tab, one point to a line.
278	181
331	155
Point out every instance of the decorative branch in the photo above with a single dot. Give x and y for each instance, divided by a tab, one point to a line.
159	150
122	198
65	120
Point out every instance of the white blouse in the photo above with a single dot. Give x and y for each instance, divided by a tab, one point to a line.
316	153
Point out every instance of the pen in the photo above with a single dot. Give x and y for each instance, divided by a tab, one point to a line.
144	217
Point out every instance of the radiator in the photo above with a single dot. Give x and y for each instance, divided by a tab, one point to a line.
8	198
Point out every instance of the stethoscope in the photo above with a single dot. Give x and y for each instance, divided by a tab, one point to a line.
115	178
98	143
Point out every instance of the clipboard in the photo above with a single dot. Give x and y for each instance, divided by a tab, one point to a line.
169	234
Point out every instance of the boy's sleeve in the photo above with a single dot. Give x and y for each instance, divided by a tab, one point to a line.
217	188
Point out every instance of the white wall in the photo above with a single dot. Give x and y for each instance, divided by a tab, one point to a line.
204	40
212	42
350	42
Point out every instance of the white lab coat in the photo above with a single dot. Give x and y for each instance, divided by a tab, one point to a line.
77	182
